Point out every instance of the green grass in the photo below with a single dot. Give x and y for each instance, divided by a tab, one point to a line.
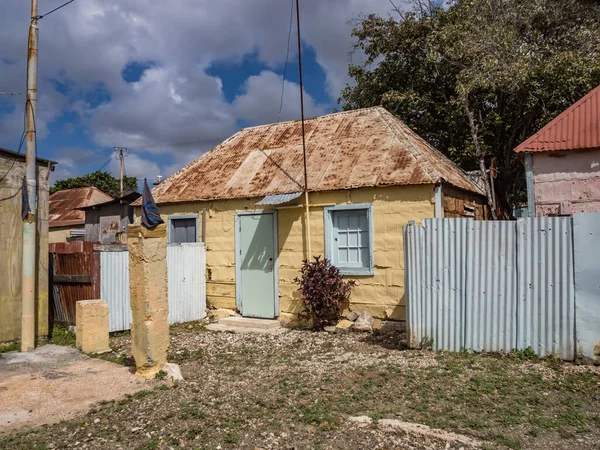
62	336
9	347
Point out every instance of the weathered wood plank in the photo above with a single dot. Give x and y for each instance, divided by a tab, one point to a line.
81	279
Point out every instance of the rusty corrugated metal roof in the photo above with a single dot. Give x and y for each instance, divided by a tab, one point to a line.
576	128
62	204
352	149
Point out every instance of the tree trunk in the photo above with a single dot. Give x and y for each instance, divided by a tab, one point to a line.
481	159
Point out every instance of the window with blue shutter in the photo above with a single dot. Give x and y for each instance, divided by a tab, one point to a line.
183	229
349	238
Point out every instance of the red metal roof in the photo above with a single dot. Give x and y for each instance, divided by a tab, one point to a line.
576	128
62	204
352	149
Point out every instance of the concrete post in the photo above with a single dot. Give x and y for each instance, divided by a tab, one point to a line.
148	298
92	326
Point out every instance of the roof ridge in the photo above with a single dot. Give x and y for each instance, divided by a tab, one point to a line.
393	123
321	116
431	148
525	145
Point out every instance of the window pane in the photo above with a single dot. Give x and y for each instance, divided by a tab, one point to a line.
183	230
353	239
353	220
364	223
353	255
364	239
343	239
364	257
342	222
342	256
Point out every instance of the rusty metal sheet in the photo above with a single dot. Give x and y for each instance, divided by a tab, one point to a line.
576	128
352	149
63	205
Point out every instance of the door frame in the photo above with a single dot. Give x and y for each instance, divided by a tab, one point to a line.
238	265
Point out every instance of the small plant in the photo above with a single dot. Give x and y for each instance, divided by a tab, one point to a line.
426	343
160	375
526	354
63	336
323	291
10	347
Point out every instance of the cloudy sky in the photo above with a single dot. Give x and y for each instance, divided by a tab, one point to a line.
167	79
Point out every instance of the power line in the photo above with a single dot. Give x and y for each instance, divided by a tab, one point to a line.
287	55
21	141
55	9
105	164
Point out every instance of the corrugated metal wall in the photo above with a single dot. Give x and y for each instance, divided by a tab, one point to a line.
445	281
187	283
546	294
114	289
491	290
414	272
186	269
491	286
586	243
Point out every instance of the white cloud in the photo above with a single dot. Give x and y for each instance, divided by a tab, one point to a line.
175	108
261	99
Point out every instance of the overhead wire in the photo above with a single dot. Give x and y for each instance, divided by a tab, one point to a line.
287	56
21	141
41	16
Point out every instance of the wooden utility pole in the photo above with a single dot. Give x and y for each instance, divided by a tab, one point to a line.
29	271
306	205
121	151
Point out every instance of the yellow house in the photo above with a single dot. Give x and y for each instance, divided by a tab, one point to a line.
368	175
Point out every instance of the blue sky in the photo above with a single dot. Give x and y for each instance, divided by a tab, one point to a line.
168	82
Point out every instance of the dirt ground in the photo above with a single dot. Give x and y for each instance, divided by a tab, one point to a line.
317	390
56	383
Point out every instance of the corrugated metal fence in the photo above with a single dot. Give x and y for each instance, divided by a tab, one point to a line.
186	284
187	287
114	289
498	286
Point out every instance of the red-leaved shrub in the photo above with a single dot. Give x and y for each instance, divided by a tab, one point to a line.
323	291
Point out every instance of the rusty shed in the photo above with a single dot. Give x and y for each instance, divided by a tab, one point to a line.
12	171
67	219
368	175
106	222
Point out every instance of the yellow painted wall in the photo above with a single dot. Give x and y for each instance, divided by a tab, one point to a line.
381	294
60	234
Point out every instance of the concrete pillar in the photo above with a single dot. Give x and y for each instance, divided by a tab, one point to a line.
148	297
92	326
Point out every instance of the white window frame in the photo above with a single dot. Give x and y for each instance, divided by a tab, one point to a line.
330	241
182	216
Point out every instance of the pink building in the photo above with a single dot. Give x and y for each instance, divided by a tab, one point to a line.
562	161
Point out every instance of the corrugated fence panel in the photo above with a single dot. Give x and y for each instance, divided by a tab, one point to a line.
187	283
546	294
445	275
114	289
586	243
413	263
491	289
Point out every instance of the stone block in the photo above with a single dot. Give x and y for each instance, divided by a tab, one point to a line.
92	326
220	313
352	316
344	325
364	323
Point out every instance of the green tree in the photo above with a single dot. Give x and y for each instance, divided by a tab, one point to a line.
481	76
102	180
